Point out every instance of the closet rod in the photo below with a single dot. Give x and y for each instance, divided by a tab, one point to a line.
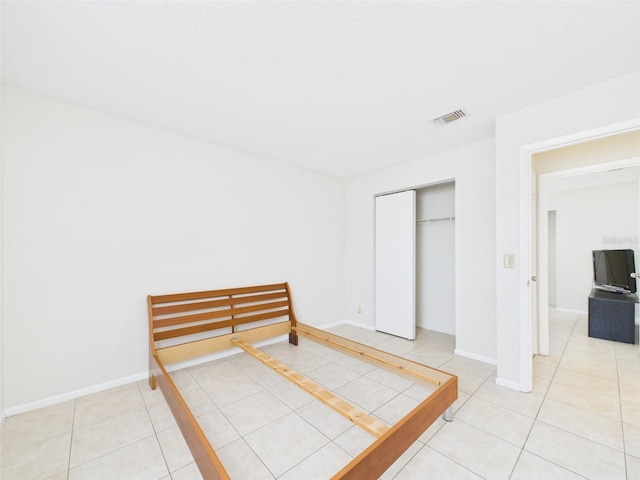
432	220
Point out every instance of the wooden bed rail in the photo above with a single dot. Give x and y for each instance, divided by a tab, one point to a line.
184	326
368	423
198	323
203	453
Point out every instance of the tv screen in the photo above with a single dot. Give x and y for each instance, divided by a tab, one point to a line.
612	270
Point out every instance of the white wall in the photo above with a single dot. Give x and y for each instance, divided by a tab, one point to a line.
472	168
590	219
101	211
600	107
2	412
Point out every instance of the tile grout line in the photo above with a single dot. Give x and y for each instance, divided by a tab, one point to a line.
624	445
155	431
570	336
441	427
240	436
295	411
573	331
73	423
575	323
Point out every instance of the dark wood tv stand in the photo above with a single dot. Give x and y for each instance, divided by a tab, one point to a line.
612	316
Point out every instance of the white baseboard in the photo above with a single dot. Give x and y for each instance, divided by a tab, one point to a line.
475	356
570	310
506	383
46	402
346	322
332	324
361	325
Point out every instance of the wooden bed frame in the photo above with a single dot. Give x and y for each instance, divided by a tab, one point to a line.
184	326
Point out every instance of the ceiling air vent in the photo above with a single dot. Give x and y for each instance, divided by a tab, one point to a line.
450	117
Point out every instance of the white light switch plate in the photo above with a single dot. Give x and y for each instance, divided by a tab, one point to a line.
509	260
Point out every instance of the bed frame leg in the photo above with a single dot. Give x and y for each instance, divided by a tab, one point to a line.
152	382
447	416
293	334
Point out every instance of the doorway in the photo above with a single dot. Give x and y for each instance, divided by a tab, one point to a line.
616	150
609	192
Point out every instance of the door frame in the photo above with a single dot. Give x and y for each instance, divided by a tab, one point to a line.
528	212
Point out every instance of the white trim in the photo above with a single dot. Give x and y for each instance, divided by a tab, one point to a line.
511	385
474	356
334	324
361	325
3	417
570	310
526	353
346	322
45	402
543	267
595	168
27	407
579	137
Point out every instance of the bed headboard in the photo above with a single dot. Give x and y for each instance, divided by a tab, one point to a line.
189	317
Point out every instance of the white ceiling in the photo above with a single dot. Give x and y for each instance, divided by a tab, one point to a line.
339	87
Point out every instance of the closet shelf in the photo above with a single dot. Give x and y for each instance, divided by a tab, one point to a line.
433	220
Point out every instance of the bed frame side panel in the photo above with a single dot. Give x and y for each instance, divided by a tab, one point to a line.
381	454
371	463
203	453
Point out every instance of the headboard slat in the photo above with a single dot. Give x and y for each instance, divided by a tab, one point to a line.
227	312
183	297
206	327
209	304
202	313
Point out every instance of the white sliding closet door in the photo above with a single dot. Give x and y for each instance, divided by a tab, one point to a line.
395	264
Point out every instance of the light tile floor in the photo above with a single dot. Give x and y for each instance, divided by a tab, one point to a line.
582	419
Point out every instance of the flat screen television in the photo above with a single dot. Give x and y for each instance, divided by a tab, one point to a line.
612	271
